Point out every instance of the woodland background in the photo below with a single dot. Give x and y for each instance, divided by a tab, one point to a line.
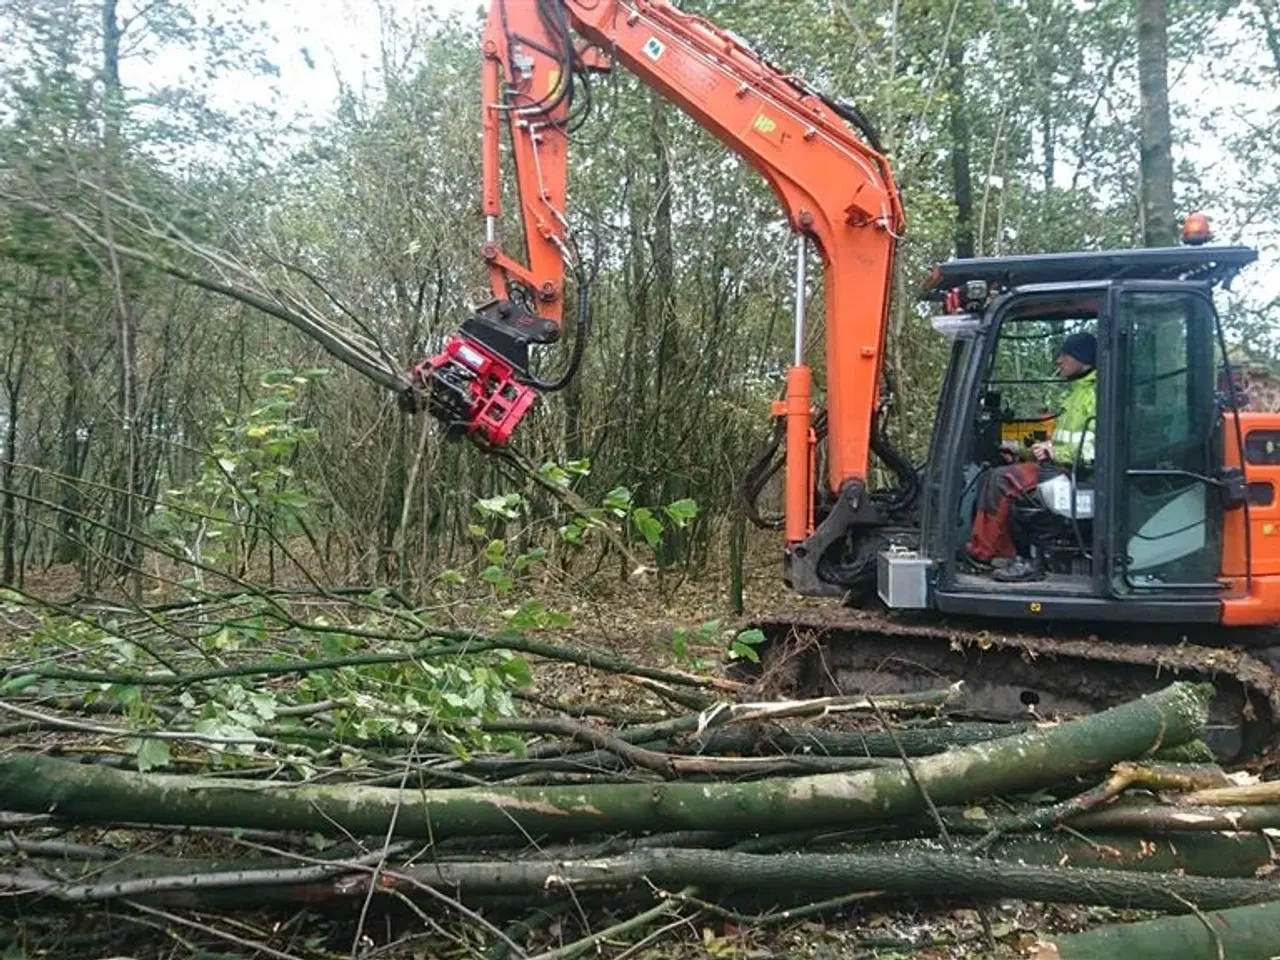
156	433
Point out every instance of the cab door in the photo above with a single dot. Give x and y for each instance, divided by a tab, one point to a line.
1164	515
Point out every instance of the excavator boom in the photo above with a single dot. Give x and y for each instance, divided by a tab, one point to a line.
820	157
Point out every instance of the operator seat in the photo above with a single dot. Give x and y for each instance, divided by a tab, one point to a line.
1054	522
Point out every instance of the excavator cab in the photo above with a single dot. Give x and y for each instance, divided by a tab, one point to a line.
1147	518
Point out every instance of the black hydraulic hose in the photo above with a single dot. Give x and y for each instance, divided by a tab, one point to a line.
764	466
581	332
908	476
860	121
560	31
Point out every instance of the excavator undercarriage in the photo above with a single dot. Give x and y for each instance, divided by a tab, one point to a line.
1012	673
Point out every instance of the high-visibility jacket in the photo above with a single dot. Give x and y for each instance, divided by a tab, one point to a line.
1076	426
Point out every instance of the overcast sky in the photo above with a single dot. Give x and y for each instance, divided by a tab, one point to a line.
341	37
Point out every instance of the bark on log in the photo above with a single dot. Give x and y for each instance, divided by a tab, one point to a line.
1248	795
1245	933
1029	761
915	742
1163	818
927	701
1155	776
783	877
1197	854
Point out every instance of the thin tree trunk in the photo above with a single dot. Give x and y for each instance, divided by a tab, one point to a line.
75	450
15	374
1159	219
127	551
787	876
962	187
1167	818
1196	854
737	558
669	366
1032	760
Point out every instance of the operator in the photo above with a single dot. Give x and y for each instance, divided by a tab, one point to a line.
990	548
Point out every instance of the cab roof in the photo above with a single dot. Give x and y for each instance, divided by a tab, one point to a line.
1210	264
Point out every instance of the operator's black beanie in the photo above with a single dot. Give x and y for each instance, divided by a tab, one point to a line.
1083	347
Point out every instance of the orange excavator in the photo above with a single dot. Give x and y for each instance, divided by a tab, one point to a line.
1166	520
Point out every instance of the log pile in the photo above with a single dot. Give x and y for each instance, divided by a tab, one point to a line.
732	815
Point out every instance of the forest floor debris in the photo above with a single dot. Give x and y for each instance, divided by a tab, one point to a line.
400	786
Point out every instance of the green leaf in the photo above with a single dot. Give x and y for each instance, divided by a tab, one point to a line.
294	499
555	475
126	695
264	704
496	576
517	671
709	631
150	753
744	645
618	500
682	511
680	642
529	616
496	551
18	684
506	506
650	528
523	561
452	576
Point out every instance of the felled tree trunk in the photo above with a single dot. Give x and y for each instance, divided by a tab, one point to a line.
1198	854
1245	933
783	877
68	878
1029	761
1164	818
914	743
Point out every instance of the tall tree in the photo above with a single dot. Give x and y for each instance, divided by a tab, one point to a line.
1159	226
959	119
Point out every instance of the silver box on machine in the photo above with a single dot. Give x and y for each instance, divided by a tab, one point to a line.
902	579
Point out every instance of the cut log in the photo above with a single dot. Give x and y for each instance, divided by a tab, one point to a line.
1029	761
921	742
785	878
1164	817
1249	795
1156	776
1245	933
928	701
1197	854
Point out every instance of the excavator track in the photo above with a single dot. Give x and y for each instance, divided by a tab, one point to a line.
1016	673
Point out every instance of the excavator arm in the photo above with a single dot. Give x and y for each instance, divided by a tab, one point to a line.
820	157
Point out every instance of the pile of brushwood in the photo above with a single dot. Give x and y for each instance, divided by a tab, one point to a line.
534	826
